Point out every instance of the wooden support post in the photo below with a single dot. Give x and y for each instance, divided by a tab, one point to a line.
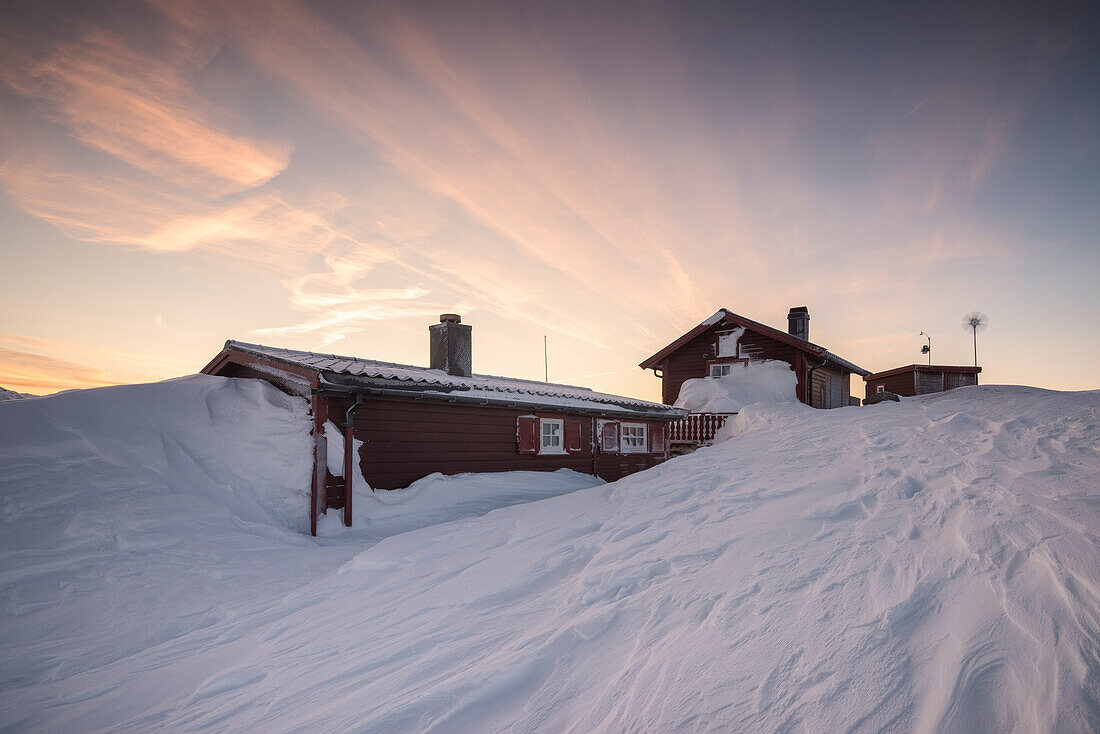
349	467
318	490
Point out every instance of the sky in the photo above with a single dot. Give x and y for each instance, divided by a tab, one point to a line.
332	176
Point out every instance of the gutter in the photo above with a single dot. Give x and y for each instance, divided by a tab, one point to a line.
441	397
810	378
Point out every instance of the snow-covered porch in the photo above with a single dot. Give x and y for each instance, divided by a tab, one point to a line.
694	430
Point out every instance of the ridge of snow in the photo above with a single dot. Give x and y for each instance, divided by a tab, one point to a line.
748	382
929	565
6	394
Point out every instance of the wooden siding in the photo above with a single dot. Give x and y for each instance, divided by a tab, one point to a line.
691	360
929	382
921	380
404	440
899	384
830	388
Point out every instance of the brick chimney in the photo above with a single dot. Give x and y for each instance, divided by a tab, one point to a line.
798	322
451	343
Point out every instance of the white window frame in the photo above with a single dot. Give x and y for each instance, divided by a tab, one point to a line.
626	432
723	369
543	448
880	388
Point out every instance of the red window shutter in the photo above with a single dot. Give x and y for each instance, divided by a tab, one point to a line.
527	434
656	438
573	435
609	437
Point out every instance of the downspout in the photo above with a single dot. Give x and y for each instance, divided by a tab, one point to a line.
810	380
592	447
349	457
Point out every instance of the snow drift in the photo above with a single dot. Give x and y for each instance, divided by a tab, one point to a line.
6	394
925	566
766	381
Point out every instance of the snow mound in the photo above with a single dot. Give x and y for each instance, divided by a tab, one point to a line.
240	444
748	382
6	394
438	498
933	566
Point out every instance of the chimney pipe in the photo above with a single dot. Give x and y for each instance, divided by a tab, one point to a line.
450	345
798	322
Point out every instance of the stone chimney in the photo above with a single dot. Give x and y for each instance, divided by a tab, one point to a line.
451	343
798	322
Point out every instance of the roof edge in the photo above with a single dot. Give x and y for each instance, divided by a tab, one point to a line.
923	368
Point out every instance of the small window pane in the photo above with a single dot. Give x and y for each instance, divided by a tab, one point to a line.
633	439
551	435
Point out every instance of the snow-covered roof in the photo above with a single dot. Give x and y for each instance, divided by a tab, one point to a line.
724	314
342	371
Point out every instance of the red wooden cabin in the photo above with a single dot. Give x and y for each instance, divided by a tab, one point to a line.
920	379
711	348
414	421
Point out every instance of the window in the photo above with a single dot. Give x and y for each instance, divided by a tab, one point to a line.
880	388
550	436
633	438
552	431
719	370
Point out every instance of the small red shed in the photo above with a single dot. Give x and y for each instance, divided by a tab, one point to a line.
407	422
920	379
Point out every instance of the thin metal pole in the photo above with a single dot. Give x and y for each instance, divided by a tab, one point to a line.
545	361
974	328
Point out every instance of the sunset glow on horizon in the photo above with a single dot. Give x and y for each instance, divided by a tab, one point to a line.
333	176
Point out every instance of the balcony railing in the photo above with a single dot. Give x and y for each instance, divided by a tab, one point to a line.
697	427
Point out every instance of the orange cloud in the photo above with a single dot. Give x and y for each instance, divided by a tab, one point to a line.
141	110
40	374
29	364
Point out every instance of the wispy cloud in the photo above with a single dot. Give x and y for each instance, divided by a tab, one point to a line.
141	109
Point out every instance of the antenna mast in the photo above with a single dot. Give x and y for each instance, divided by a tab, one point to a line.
975	321
545	361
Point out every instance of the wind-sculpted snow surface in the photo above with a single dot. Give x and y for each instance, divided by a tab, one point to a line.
932	565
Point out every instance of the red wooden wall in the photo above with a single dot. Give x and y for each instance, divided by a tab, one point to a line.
690	361
406	439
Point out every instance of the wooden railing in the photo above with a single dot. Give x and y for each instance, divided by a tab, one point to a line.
697	427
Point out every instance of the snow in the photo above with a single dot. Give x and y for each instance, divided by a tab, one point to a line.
930	565
6	394
487	388
728	343
747	383
437	499
714	318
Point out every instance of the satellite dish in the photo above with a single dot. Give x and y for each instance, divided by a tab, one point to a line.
974	322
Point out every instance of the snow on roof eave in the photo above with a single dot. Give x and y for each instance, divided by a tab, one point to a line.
922	368
854	368
481	389
567	404
711	320
280	354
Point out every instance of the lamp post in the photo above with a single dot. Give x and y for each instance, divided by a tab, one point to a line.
927	348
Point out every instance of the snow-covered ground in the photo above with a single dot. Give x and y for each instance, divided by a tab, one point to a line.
932	565
6	394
